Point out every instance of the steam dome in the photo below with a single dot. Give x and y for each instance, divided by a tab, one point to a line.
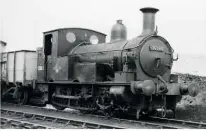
118	32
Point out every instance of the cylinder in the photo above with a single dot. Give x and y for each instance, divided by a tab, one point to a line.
120	93
118	32
148	20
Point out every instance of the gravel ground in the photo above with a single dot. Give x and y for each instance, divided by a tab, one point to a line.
192	108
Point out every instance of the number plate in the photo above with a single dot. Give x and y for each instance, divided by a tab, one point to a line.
156	48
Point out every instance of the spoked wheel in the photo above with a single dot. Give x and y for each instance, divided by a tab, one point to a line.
174	113
88	106
58	107
141	114
111	112
59	104
23	97
166	114
137	114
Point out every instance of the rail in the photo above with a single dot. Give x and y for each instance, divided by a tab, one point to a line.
65	122
13	123
98	121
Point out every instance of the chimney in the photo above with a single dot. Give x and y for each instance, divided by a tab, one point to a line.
148	20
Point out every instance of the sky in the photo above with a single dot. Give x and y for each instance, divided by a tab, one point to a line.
181	22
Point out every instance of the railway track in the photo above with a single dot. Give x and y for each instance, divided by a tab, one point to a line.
187	124
13	123
19	119
72	119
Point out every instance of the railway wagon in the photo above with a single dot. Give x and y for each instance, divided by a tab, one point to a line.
2	49
19	70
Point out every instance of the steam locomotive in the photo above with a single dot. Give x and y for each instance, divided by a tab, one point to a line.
77	69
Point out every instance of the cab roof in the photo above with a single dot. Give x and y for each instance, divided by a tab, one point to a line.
73	28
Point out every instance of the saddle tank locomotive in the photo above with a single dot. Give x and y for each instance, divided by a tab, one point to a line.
132	76
79	70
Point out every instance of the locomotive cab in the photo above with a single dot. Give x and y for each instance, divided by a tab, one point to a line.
59	43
